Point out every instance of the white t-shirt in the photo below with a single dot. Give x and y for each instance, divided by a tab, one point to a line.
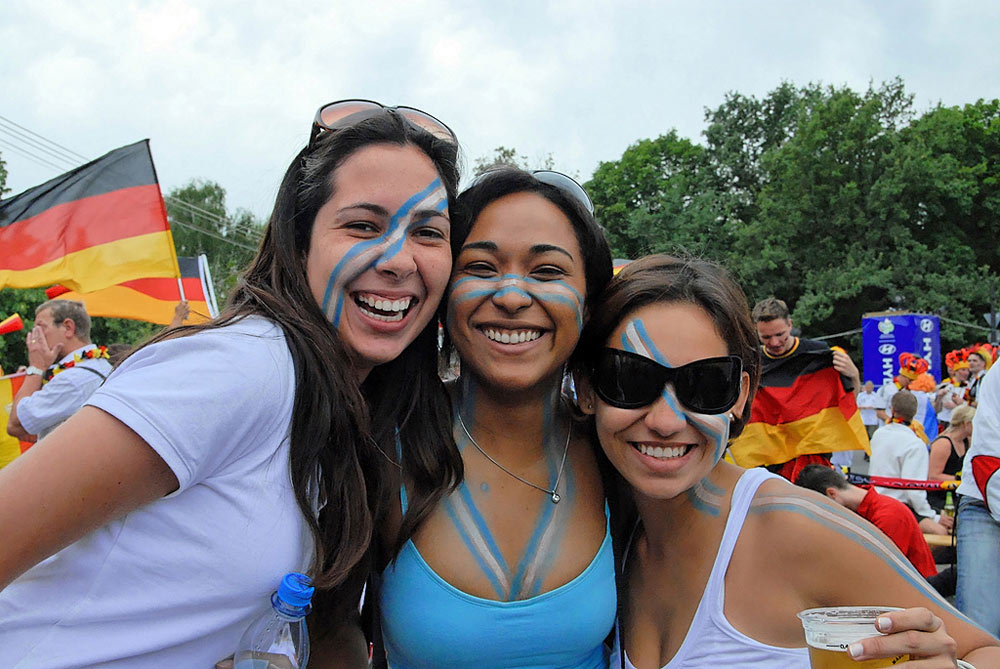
981	467
46	409
867	404
176	583
897	452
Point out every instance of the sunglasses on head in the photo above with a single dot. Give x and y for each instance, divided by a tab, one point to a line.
558	180
345	113
629	381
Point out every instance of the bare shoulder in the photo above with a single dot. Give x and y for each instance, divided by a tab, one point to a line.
804	526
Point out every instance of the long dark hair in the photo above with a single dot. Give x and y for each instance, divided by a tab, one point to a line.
343	437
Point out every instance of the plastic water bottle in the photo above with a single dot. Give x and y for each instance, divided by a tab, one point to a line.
278	639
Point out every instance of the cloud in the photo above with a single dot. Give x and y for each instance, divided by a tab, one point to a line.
227	90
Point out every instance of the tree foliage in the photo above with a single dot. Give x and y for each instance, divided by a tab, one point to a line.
509	157
837	201
200	223
3	177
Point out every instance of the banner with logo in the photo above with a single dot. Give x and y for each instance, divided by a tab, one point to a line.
886	335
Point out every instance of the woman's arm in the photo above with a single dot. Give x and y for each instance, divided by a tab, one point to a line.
91	470
940	450
839	559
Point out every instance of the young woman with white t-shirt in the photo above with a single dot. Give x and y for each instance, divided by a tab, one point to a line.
150	529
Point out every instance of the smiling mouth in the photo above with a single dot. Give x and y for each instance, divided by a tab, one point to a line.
384	309
661	452
510	336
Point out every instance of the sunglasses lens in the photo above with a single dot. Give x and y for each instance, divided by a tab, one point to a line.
627	381
422	119
709	386
345	113
566	184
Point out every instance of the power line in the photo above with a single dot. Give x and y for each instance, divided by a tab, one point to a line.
49	141
29	144
30	156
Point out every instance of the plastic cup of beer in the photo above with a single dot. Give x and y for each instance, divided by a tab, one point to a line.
830	630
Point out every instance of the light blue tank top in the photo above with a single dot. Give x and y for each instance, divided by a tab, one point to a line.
429	623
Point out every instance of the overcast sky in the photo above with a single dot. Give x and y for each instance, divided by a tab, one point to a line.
226	90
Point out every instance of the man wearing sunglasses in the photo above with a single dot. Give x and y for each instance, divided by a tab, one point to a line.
806	404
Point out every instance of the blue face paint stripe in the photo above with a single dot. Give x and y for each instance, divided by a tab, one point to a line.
361	247
507	290
531	549
524	279
700	504
712	488
542	562
907	573
481	525
470	545
397	246
626	344
640	329
674	406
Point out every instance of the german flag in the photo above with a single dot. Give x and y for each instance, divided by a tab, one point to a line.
151	299
802	408
99	225
10	447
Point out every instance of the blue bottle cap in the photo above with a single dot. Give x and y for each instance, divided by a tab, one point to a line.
296	589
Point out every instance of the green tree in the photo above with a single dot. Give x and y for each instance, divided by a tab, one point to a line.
739	132
840	202
13	351
200	223
509	157
659	198
3	177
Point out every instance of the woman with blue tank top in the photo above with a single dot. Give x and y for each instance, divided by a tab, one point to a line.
720	559
514	567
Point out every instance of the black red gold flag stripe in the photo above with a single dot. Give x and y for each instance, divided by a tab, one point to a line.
801	408
150	299
96	226
10	447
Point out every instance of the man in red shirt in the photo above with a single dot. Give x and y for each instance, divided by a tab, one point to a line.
887	514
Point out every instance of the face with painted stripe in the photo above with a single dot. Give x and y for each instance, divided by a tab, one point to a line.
664	449
379	255
516	300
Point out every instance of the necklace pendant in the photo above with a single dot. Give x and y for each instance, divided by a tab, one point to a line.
555	498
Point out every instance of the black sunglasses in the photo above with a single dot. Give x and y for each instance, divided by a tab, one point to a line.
629	381
345	113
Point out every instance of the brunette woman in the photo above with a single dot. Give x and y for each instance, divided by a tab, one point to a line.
150	528
719	559
514	568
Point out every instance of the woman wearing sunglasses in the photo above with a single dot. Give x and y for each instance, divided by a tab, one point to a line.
514	568
719	560
150	529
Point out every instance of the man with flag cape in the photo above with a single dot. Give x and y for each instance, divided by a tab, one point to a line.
805	408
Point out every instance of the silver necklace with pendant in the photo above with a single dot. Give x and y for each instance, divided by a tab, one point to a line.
552	493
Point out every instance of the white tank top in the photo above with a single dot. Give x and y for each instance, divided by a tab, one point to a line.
712	641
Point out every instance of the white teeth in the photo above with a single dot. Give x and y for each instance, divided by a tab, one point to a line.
662	453
385	305
512	337
398	316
